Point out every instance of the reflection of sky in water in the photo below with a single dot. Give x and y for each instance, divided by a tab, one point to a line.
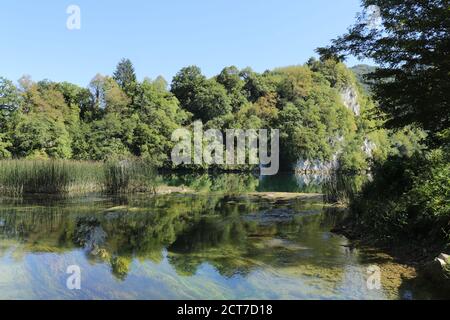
354	286
43	276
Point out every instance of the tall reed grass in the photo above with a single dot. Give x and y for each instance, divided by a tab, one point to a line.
49	176
128	176
18	177
342	189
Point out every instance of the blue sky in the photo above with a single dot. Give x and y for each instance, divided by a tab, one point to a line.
161	37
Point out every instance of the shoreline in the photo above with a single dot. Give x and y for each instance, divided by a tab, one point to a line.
423	259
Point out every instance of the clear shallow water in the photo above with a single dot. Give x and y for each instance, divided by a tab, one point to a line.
206	246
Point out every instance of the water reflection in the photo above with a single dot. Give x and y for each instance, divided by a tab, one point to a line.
219	245
192	226
337	187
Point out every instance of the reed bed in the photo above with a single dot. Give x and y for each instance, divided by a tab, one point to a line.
342	189
129	176
19	177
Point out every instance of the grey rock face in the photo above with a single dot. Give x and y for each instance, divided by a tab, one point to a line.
368	147
350	99
317	165
315	179
438	271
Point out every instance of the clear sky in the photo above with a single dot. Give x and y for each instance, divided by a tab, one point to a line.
160	37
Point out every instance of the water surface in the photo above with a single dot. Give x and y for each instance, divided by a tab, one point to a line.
212	245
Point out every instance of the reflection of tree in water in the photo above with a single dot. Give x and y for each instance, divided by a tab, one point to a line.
220	242
222	183
290	182
89	233
120	266
342	188
237	245
115	235
194	229
335	186
144	233
247	182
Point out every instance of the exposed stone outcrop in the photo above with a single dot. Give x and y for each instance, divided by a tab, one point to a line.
315	179
444	260
317	165
368	147
438	271
350	99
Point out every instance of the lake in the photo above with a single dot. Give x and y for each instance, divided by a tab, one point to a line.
219	243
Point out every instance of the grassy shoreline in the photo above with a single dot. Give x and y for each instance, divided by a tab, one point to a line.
57	177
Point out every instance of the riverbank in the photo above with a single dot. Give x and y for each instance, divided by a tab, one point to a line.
428	263
287	195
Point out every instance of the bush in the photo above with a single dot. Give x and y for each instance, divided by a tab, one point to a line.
342	189
409	198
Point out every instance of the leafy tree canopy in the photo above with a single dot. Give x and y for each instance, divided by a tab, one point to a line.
119	116
411	45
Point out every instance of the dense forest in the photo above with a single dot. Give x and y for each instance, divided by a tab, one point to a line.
322	111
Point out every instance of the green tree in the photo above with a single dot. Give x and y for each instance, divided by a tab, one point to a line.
412	48
256	85
9	100
78	99
408	195
230	78
314	124
159	115
108	96
185	84
37	136
111	136
4	146
160	83
125	77
205	99
41	127
9	104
